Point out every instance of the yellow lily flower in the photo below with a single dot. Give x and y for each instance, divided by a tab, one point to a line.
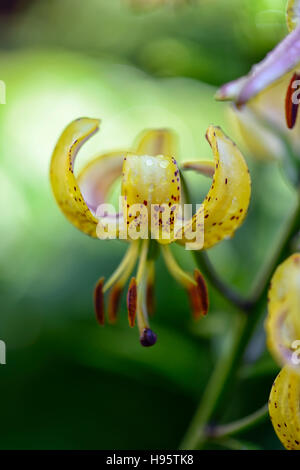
150	179
284	406
271	94
283	340
283	320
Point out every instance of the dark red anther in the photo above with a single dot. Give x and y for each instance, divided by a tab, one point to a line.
132	302
202	292
99	301
292	101
113	303
194	301
199	296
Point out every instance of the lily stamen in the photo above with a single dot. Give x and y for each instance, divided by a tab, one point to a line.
147	336
176	271
99	301
196	287
132	302
291	106
202	294
116	291
150	287
113	303
123	268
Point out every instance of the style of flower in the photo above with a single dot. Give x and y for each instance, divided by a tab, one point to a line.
150	177
283	340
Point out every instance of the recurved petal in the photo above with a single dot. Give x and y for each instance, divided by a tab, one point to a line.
204	167
262	122
227	201
64	184
293	14
281	60
230	90
284	406
157	142
283	320
97	177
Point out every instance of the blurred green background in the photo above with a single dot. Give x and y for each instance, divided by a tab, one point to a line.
69	384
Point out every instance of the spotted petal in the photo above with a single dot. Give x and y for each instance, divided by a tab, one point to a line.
227	201
284	408
281	60
151	187
293	14
283	321
64	184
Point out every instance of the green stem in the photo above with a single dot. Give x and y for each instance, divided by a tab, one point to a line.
226	369
238	426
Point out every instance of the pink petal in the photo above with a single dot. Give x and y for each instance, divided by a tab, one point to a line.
281	60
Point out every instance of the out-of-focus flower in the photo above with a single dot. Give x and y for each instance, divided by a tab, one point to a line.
283	340
284	406
264	142
271	93
150	180
280	61
283	320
